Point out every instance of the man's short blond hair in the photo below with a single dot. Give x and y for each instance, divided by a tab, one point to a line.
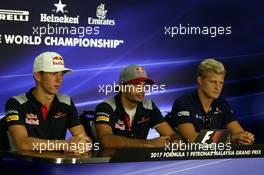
210	65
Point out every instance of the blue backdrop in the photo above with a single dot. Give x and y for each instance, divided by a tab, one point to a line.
154	34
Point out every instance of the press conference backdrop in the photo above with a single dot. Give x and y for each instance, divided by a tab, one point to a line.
169	38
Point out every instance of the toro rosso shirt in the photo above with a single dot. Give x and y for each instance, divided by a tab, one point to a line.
112	113
26	110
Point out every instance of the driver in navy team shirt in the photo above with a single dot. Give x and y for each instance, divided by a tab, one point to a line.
204	109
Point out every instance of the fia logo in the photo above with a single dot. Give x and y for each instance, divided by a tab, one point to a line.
101	12
212	137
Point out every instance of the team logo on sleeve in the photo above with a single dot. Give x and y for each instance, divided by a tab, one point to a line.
184	113
102	118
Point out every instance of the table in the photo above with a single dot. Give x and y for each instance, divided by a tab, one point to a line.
121	162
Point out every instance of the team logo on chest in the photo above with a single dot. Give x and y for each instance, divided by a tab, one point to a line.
31	119
217	110
120	125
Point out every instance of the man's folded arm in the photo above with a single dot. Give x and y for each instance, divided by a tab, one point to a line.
109	140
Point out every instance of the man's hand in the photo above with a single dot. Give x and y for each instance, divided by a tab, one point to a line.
245	138
82	144
85	138
159	142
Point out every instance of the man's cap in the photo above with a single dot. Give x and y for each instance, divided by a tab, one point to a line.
133	74
50	62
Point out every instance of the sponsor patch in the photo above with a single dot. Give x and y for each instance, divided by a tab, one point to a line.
217	112
102	118
31	116
12	118
120	122
60	114
11	112
102	113
199	117
184	113
143	120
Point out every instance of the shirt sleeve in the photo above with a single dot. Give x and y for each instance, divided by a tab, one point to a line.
103	114
228	113
73	119
14	114
180	113
157	117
